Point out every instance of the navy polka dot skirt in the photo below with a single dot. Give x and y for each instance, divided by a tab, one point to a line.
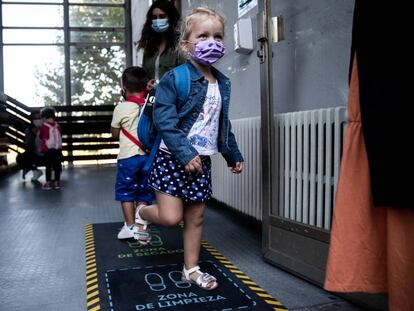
169	177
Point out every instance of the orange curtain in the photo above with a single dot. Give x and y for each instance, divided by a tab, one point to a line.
371	248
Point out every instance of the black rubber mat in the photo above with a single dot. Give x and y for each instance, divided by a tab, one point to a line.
123	275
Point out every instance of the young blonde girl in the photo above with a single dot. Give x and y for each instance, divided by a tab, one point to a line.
191	132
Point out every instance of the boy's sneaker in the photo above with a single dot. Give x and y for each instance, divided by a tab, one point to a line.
47	186
56	184
127	232
36	175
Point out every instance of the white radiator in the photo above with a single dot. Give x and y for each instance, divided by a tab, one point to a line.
308	150
308	156
241	191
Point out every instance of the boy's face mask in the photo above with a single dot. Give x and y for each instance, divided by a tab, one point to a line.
160	25
208	52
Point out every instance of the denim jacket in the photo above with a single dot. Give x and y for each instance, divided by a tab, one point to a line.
174	120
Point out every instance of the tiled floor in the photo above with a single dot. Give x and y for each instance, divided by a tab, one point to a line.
42	265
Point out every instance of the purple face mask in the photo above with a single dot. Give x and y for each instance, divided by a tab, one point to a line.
207	52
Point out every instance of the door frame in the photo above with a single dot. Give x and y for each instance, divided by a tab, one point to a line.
295	247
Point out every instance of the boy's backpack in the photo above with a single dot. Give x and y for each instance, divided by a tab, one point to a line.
145	128
146	131
54	140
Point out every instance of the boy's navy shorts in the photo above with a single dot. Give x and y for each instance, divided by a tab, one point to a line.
131	183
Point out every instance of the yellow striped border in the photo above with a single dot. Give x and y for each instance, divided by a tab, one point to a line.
277	305
92	291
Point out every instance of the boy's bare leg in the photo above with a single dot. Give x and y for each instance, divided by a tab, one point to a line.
128	210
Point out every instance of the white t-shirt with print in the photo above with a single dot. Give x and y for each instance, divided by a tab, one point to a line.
203	135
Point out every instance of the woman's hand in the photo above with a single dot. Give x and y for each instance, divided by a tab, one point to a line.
237	168
194	166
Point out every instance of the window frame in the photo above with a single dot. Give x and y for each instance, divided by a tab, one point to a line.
67	43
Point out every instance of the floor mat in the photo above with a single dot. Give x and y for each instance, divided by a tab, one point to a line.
123	275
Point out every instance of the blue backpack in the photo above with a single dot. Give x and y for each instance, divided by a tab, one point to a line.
146	131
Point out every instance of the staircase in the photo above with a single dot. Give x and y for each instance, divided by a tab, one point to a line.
4	143
85	130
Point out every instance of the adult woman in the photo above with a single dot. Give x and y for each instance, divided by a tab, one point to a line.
157	47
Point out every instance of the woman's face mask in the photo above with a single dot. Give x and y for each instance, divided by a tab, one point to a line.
208	52
160	24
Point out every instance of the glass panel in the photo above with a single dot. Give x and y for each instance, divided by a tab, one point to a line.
32	36
97	1
93	16
97	36
309	71
24	15
37	1
95	74
34	74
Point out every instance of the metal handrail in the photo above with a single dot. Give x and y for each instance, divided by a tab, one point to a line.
85	137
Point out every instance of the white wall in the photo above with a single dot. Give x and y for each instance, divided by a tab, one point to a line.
243	70
310	65
139	10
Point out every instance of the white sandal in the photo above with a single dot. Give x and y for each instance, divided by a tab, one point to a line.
141	235
203	280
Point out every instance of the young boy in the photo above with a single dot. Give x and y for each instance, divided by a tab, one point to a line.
131	183
50	135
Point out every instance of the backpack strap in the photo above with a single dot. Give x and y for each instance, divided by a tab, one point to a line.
140	101
182	81
132	138
50	126
148	164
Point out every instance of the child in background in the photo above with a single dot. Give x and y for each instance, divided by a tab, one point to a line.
32	157
131	185
50	135
191	132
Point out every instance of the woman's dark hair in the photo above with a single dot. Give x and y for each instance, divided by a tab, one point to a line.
134	79
48	112
150	39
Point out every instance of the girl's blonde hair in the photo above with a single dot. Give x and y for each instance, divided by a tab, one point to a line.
195	13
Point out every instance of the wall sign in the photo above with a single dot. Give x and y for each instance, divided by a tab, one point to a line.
244	6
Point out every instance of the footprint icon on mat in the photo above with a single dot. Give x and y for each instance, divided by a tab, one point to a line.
156	240
176	277
155	282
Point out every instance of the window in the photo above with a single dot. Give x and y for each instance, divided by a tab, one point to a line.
49	42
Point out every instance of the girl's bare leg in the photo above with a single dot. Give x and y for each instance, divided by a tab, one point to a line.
168	211
192	234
